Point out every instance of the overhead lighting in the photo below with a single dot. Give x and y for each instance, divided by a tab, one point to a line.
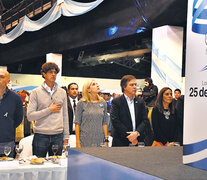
112	30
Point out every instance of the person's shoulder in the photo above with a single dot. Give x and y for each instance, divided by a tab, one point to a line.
181	98
154	87
155	109
145	88
40	88
14	95
81	102
138	100
118	99
61	90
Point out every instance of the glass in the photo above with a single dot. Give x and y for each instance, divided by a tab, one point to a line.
7	150
19	149
65	149
131	145
141	144
102	144
54	149
177	144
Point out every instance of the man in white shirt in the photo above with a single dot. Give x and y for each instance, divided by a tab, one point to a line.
128	115
72	103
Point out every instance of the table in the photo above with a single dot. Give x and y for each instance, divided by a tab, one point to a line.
11	170
161	162
84	166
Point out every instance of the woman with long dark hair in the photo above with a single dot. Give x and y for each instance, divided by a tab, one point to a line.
164	119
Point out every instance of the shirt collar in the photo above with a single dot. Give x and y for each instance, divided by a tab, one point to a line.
128	99
48	89
71	99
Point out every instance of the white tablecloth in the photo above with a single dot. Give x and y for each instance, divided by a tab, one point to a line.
47	171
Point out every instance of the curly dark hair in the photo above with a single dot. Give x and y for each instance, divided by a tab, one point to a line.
124	81
48	66
159	101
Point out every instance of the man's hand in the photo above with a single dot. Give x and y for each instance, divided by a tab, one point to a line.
65	142
135	142
106	144
170	144
55	107
139	93
78	144
132	136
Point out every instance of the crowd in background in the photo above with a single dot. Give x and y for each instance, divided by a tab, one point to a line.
148	94
144	115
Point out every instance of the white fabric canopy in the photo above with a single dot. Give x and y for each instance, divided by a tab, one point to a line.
61	7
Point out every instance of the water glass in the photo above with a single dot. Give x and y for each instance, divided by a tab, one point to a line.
65	149
19	149
102	144
7	150
177	144
54	149
141	144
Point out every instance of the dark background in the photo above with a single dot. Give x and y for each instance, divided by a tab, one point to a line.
92	35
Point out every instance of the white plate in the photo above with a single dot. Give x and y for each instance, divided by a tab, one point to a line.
8	159
52	157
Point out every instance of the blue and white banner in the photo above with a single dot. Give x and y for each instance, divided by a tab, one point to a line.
21	87
195	122
167	53
67	8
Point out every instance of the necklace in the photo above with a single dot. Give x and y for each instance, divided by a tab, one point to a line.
166	114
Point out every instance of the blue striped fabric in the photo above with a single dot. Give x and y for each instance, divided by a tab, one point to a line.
199	13
202	164
194	148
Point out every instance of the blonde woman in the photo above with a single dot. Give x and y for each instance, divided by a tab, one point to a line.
91	117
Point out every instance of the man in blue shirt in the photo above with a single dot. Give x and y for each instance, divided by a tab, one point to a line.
11	113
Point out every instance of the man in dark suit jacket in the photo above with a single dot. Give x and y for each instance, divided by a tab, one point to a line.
72	102
128	115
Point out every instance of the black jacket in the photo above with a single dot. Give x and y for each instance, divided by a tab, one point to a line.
70	115
150	95
122	123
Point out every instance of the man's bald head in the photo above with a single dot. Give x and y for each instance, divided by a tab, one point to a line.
4	78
